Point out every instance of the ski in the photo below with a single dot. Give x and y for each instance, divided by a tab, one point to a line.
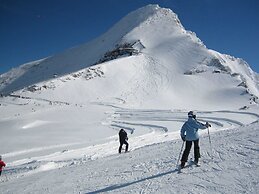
189	164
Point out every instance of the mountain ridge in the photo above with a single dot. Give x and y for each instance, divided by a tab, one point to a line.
161	56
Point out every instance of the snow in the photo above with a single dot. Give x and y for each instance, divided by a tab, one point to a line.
151	169
60	116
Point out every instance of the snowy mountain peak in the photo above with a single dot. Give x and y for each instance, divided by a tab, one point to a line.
137	27
144	20
144	15
145	59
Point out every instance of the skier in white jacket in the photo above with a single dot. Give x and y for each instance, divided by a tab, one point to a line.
189	133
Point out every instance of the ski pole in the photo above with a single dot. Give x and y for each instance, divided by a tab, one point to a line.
180	154
210	142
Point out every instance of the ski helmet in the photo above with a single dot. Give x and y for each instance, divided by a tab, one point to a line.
191	114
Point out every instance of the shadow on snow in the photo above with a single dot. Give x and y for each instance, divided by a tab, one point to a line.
119	186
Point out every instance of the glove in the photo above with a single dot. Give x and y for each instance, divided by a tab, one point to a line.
207	124
183	138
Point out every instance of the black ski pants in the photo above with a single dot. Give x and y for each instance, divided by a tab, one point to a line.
188	146
121	144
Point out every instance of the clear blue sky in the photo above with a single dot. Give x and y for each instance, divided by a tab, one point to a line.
34	29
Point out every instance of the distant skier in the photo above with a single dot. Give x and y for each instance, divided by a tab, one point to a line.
123	140
2	164
189	133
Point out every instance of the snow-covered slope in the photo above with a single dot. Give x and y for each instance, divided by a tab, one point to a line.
144	75
231	166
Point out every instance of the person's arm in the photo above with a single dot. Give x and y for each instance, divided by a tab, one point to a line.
2	163
200	125
183	130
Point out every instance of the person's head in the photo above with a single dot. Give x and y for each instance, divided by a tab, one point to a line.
192	114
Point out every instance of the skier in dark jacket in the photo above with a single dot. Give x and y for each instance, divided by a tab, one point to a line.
123	140
189	133
2	164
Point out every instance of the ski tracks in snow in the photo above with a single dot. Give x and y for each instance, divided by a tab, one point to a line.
151	169
221	120
146	127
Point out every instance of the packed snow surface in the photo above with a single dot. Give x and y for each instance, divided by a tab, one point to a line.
229	165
